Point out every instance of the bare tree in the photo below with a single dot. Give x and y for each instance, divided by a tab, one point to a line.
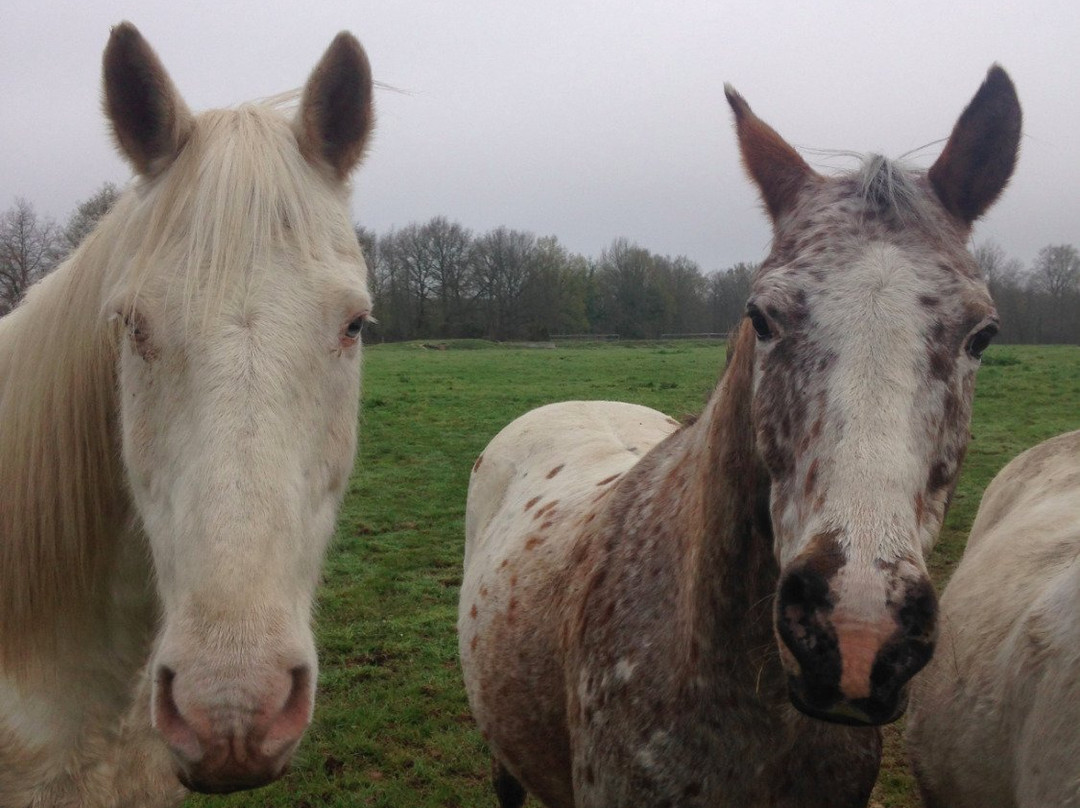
995	264
729	290
87	215
448	249
1057	270
29	248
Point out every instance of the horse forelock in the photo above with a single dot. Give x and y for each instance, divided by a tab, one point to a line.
238	192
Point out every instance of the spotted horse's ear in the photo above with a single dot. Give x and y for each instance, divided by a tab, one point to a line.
980	156
150	121
337	112
776	168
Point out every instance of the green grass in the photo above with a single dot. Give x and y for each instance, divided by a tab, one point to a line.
392	726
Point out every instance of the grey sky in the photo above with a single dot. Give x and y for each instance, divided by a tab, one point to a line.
585	120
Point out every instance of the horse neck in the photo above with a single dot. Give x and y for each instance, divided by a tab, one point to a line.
63	494
733	568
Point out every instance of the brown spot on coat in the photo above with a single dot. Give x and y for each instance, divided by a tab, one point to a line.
541	511
610	479
824	555
555	470
531	502
811	479
533	542
476	465
472	612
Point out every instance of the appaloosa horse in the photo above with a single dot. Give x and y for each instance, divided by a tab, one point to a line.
643	602
995	718
178	409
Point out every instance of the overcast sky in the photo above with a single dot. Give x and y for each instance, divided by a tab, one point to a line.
584	120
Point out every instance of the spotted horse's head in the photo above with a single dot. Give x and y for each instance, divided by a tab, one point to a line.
870	318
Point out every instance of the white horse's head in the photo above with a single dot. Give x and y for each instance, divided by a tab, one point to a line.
243	294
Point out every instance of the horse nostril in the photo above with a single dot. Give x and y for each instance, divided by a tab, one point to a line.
917	615
167	718
285	728
803	593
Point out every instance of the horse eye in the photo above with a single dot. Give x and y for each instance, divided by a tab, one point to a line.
758	321
355	328
980	340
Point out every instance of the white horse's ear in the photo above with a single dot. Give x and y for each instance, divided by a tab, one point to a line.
336	111
150	120
982	149
778	170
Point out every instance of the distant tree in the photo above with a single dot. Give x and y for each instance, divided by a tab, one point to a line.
448	250
1005	279
1055	289
553	298
1057	270
30	247
504	259
87	215
685	293
995	264
729	290
632	302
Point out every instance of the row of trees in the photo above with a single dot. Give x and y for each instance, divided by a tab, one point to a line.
440	280
1038	305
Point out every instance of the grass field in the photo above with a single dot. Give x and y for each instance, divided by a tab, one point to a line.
392	727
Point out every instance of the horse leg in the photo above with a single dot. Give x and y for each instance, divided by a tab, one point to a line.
510	792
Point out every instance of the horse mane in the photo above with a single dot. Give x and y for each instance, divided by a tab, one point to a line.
238	189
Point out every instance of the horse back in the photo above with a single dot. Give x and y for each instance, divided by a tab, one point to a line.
534	495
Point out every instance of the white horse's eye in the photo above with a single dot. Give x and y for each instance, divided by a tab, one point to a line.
350	334
354	328
139	333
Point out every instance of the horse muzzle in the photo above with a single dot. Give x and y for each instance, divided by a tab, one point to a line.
222	741
846	667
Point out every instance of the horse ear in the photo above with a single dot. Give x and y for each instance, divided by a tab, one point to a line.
778	170
981	153
336	111
150	120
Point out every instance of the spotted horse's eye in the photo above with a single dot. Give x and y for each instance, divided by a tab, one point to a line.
980	340
759	322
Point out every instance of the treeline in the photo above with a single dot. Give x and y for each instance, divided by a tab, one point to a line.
439	280
1037	305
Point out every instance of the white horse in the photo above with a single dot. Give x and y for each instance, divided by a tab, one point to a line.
995	718
642	604
178	410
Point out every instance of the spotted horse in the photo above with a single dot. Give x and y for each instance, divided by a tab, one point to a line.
662	615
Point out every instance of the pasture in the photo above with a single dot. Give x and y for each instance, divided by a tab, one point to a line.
392	727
